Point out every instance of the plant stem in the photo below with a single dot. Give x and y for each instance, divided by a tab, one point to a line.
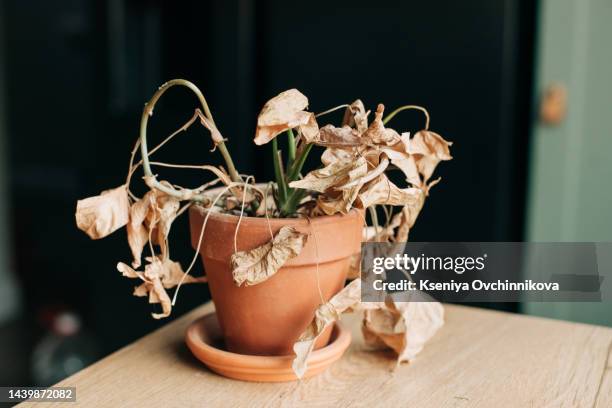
406	107
148	111
280	179
290	205
296	168
291	149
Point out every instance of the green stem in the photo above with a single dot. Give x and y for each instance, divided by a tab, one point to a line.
290	205
291	149
148	111
295	170
406	107
278	174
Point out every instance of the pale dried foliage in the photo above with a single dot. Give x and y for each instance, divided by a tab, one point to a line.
283	112
101	215
404	327
357	158
259	264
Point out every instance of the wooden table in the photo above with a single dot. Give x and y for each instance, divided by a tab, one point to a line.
479	358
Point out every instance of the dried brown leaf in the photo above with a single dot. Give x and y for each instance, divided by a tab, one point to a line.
284	111
259	264
158	276
377	134
325	315
404	327
429	149
356	116
383	191
332	175
101	215
333	155
340	137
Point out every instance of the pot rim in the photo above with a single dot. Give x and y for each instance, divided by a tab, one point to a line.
322	219
275	222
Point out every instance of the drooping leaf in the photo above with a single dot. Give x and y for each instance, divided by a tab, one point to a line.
158	275
101	215
404	327
325	315
356	116
152	215
429	149
383	191
334	174
259	264
285	111
377	133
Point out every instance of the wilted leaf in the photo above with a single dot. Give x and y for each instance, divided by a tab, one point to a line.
356	116
334	174
377	134
325	315
402	159
383	191
258	264
158	276
284	111
152	214
333	155
343	137
429	148
103	214
404	327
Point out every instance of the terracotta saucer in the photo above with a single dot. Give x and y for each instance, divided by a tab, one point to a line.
205	341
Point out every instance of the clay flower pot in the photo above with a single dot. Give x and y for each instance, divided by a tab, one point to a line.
267	318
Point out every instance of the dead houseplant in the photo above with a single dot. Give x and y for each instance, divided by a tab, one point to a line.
277	255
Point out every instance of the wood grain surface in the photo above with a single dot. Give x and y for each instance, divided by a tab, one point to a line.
479	358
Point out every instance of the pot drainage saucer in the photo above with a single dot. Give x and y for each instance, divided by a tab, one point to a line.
204	339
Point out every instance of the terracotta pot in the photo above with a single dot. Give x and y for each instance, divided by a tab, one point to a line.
267	319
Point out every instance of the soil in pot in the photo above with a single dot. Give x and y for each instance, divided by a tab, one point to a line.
267	318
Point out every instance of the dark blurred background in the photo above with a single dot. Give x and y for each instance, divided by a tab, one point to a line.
75	76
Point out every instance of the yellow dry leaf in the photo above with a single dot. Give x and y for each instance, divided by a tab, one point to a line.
152	214
402	159
429	149
377	134
332	175
101	215
137	232
383	191
340	137
332	155
404	327
284	111
259	264
356	116
325	315
158	276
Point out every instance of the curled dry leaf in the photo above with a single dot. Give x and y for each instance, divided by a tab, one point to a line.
101	215
158	276
333	155
404	327
285	111
403	160
343	137
429	149
259	264
377	134
335	174
356	116
325	315
383	191
151	216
